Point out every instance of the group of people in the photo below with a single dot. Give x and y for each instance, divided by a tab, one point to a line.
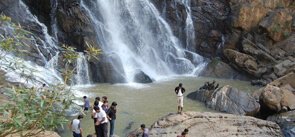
102	114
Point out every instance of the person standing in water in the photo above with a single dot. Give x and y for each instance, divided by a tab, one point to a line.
76	126
112	112
86	105
179	90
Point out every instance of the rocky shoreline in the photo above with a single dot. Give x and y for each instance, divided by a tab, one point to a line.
212	125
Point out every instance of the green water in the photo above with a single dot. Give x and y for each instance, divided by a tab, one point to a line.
146	103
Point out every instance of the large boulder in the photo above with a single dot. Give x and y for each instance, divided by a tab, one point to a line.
212	125
286	121
278	24
277	99
141	77
243	61
228	99
219	69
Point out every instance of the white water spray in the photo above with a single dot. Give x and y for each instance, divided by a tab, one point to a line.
140	37
82	76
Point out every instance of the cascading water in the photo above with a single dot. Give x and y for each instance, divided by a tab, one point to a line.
54	4
189	27
82	76
135	32
38	74
47	49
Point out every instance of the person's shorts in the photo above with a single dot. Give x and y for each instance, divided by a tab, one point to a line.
76	135
86	109
180	101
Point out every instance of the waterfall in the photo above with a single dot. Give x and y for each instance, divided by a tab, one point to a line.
29	72
54	4
135	32
189	27
82	76
48	42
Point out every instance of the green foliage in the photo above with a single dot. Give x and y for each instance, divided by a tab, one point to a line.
92	52
5	18
32	110
69	54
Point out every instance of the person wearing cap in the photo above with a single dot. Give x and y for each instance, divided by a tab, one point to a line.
76	127
112	117
179	90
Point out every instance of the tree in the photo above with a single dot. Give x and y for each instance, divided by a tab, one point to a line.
31	110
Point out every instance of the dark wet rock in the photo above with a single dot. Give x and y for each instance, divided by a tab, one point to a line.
76	28
41	9
227	99
211	19
286	121
107	70
259	82
141	77
175	13
212	124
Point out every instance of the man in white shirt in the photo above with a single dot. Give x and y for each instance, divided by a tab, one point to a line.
76	127
179	92
101	124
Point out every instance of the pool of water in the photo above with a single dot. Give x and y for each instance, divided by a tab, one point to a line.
146	103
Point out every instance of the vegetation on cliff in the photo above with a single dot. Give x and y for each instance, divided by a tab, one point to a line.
29	109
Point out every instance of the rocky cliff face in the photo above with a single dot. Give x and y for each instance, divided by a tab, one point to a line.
212	125
265	31
254	37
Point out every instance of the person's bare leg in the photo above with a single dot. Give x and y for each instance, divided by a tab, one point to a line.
181	108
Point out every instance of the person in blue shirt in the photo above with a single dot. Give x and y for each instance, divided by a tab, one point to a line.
86	103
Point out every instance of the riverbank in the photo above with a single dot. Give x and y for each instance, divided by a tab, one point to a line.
145	103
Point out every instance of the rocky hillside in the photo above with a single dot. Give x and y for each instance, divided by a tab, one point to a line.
252	39
261	42
274	102
212	125
256	38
